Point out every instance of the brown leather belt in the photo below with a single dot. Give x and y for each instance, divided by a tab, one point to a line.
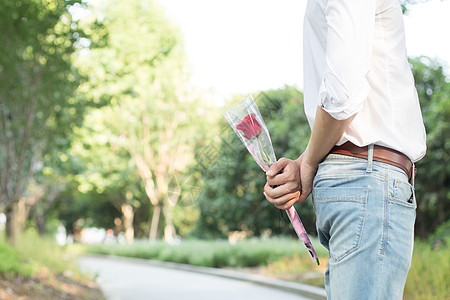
380	153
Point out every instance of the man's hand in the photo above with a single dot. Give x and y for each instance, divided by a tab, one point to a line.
289	181
308	171
283	183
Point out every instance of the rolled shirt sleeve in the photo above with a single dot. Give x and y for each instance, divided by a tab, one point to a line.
350	28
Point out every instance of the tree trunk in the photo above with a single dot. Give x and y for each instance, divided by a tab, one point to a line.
169	230
155	222
128	217
12	224
40	223
22	213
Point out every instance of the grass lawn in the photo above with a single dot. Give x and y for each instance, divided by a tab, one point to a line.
40	270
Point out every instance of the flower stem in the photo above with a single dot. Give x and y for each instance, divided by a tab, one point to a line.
265	157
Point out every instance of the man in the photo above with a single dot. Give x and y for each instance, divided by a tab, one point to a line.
367	132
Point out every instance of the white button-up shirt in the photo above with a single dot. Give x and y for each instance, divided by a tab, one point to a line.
355	62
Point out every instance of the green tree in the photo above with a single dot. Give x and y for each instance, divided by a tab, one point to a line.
41	193
433	176
76	210
37	85
231	198
107	169
152	114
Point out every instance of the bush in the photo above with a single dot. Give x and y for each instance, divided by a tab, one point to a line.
33	254
441	236
12	262
218	254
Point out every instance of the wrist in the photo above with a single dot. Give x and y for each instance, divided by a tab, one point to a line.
309	158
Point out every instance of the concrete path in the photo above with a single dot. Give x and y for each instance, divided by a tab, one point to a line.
137	279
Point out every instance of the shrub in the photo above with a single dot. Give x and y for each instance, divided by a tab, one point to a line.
11	262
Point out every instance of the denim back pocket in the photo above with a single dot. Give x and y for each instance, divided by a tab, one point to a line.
340	213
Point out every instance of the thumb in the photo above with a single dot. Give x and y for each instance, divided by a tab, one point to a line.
305	191
304	195
277	167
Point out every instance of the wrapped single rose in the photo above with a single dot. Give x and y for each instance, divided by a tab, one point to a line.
249	126
247	123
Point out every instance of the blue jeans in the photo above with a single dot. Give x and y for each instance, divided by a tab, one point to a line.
365	218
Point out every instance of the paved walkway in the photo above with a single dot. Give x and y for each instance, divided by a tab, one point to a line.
136	279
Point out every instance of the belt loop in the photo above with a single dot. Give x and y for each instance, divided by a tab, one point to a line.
369	159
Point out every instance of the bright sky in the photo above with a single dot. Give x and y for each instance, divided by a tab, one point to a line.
242	46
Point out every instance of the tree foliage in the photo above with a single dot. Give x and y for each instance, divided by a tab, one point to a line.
152	116
107	171
38	108
433	175
231	198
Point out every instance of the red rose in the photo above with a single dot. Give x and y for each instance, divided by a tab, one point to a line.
249	126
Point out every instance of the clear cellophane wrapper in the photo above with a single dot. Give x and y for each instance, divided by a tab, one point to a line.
249	126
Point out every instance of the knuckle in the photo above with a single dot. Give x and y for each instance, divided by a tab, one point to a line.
293	188
269	199
279	202
284	160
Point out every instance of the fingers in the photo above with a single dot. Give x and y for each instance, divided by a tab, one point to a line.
279	179
284	202
282	197
286	172
277	167
287	204
283	184
279	191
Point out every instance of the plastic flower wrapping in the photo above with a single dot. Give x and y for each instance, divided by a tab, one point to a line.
247	123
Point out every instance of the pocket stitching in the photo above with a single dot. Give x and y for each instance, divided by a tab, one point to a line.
394	200
363	191
360	231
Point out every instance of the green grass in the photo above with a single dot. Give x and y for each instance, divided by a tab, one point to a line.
35	254
429	275
40	269
218	254
12	262
43	252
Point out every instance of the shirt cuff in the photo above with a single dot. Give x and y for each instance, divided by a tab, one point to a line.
338	102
